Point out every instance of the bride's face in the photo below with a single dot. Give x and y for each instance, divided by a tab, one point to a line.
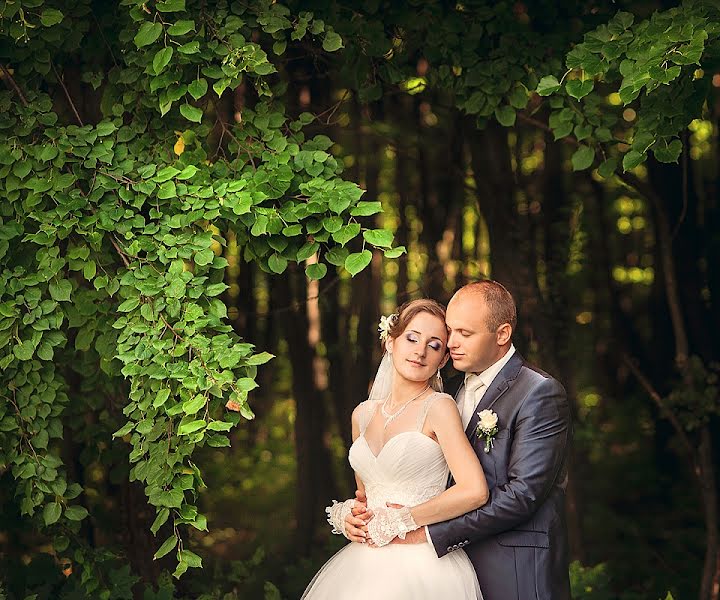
420	350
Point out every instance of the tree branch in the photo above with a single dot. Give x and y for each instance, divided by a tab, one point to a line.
67	94
13	85
664	409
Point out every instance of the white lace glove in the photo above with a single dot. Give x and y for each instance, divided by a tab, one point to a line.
337	513
389	523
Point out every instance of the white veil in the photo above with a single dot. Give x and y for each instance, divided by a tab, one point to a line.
382	384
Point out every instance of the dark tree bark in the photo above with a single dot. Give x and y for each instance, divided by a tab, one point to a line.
314	484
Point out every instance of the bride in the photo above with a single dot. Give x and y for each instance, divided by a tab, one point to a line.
406	438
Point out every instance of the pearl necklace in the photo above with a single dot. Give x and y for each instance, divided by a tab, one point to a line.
390	417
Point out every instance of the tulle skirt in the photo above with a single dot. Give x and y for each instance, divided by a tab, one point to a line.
394	572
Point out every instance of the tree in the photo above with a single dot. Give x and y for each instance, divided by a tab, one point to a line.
121	182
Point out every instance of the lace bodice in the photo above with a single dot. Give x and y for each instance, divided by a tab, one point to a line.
409	469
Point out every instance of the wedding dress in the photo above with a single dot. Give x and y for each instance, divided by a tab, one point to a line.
409	470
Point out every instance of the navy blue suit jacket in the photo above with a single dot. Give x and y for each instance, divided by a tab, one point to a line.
517	541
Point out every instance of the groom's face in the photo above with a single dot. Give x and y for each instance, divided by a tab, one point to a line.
473	347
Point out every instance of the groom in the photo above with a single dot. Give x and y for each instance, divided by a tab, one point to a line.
517	542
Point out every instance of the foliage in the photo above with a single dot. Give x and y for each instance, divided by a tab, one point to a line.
661	68
111	229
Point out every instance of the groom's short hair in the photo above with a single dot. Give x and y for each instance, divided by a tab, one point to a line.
499	300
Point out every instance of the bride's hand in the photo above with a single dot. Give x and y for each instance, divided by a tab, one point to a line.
356	521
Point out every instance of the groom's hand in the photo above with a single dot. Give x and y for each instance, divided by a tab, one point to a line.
356	520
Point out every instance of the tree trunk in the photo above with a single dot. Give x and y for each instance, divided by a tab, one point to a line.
314	484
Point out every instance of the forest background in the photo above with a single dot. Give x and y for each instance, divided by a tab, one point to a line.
207	206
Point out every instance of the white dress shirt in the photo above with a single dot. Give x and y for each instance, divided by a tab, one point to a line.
474	387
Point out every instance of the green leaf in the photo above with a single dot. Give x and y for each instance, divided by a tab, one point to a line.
346	233
395	252
215	289
306	251
187	173
51	513
105	128
382	238
668	153
220	426
204	257
316	270
160	520
129	304
357	261
191	427
260	359
366	209
167	545
332	42
190	48
191	113
332	224
198	88
161	60
336	256
148	33
277	263
632	159
505	115
583	158
519	97
50	17
579	89
607	168
192	559
167	190
180	569
181	27
60	290
190	407
548	85
171	5
161	398
124	430
76	513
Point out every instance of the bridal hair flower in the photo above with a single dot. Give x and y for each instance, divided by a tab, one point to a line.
386	324
487	427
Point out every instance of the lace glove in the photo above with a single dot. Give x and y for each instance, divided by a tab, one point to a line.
389	523
336	515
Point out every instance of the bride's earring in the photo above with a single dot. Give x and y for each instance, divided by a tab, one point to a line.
438	381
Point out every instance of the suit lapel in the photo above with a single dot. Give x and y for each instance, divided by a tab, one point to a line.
501	384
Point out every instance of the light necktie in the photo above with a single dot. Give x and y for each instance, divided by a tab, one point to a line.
472	388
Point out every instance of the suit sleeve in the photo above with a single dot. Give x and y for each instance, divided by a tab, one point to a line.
537	457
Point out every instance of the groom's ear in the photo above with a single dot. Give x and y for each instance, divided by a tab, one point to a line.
503	334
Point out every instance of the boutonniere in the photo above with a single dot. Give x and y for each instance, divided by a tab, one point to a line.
487	427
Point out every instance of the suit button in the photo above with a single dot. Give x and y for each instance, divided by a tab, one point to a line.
466	542
449	549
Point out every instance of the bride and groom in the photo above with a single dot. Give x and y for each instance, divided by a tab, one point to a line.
460	495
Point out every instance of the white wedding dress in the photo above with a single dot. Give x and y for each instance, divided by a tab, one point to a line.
409	470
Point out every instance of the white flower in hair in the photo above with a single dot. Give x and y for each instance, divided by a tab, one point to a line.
385	324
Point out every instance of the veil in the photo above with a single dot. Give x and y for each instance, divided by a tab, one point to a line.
382	384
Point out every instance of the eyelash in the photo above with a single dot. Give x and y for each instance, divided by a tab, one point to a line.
411	338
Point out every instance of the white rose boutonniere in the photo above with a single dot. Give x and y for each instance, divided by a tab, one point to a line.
487	427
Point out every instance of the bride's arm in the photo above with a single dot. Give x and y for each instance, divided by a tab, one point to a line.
356	435
470	490
349	517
